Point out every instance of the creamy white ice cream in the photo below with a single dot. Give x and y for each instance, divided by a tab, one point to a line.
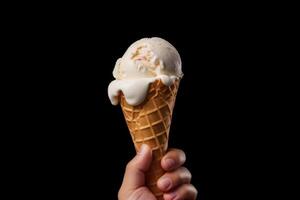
145	61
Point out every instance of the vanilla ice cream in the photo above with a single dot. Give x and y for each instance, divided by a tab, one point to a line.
145	61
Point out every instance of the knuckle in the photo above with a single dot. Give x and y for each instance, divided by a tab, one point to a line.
176	154
188	191
185	173
194	192
188	174
182	156
129	165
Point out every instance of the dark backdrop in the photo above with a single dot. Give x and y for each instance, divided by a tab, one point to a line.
79	142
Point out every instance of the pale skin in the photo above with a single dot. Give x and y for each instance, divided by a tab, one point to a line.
175	183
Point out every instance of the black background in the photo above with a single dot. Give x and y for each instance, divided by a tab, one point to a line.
78	142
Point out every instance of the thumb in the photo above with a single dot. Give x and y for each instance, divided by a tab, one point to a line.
135	170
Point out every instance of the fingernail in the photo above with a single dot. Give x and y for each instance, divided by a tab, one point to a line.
169	163
165	183
143	149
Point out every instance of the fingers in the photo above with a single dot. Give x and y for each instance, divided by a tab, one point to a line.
184	192
173	159
176	181
171	180
135	170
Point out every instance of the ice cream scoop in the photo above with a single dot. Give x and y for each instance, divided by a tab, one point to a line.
145	61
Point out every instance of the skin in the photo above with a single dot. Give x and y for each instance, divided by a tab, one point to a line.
175	183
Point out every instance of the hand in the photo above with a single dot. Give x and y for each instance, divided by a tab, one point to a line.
175	183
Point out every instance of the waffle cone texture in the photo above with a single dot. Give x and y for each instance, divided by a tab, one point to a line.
149	123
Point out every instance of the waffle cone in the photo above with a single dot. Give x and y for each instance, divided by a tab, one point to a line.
149	123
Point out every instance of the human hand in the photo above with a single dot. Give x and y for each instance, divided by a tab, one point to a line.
175	183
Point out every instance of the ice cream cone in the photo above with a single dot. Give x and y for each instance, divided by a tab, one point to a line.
149	123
